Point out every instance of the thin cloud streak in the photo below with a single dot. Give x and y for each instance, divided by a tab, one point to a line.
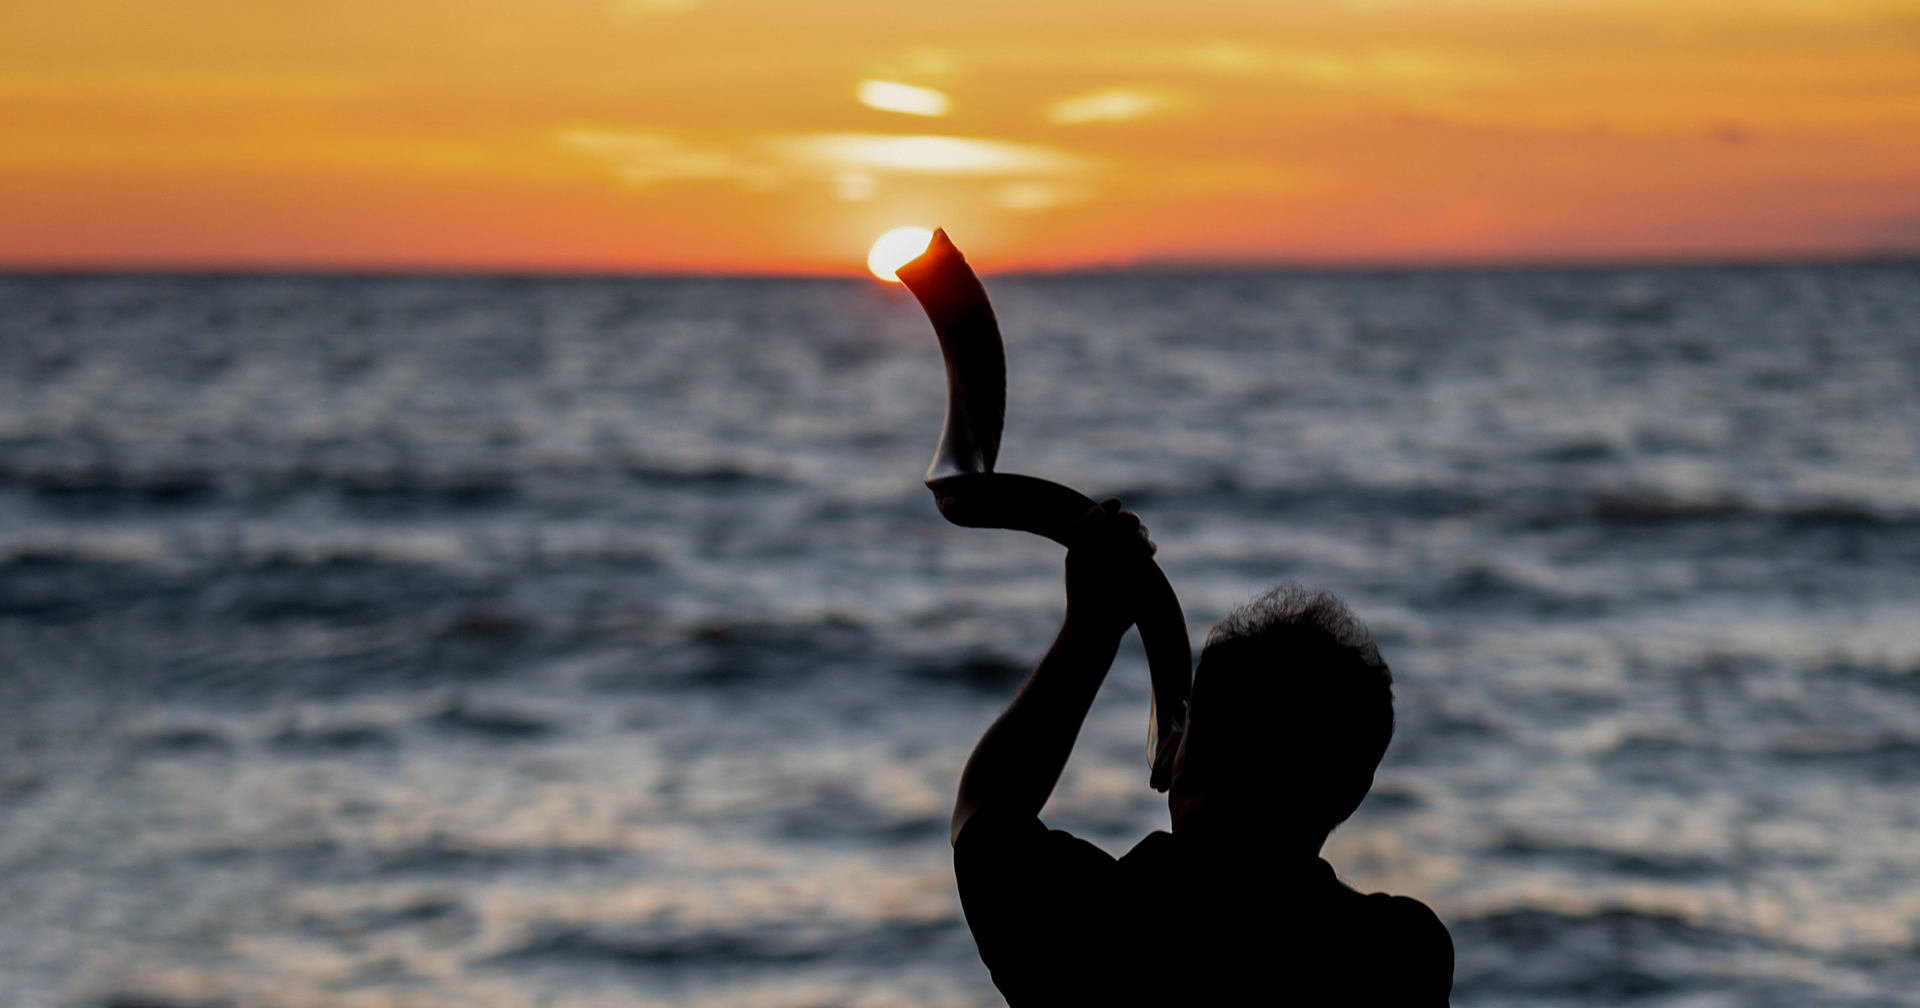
907	99
1117	104
852	161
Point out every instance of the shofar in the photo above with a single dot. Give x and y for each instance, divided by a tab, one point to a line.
969	493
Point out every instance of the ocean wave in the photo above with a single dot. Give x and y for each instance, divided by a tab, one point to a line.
727	654
1607	957
672	945
1589	859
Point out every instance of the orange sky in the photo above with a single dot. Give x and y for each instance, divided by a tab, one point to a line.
702	135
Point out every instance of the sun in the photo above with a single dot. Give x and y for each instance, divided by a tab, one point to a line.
895	249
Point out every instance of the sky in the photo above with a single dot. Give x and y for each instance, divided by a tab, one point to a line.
783	136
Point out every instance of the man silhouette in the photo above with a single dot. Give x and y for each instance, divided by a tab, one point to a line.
1291	711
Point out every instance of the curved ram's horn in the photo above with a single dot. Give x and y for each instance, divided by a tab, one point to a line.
969	493
976	360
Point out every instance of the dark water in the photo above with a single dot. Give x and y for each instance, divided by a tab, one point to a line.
378	643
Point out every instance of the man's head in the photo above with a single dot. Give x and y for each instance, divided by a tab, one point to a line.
1291	711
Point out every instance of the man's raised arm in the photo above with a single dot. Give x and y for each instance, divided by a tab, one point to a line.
1018	761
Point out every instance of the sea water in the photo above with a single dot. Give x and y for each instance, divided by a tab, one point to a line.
589	642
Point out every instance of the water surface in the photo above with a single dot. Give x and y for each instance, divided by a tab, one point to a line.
435	642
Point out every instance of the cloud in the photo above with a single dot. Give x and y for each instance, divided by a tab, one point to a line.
858	167
1032	197
1110	105
1337	67
855	186
170	86
647	158
852	165
925	155
642	8
1900	230
893	96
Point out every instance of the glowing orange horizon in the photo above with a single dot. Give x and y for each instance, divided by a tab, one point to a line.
766	137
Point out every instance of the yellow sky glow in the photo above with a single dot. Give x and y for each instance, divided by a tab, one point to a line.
765	135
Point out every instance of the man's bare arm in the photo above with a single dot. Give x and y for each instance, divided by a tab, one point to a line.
1018	761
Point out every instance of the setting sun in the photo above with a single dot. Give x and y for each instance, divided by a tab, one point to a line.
895	249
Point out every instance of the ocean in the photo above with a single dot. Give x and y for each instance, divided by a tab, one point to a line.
422	642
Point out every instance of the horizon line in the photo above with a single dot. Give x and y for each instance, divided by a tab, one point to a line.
1148	265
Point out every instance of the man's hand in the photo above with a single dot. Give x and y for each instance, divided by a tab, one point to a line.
1105	564
1019	759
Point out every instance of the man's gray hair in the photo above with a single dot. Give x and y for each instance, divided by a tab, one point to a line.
1292	604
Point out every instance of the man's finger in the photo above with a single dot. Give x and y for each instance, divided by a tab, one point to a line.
1110	520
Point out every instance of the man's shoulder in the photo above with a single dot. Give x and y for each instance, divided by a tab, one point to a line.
1154	848
1412	934
996	841
1420	945
1404	912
